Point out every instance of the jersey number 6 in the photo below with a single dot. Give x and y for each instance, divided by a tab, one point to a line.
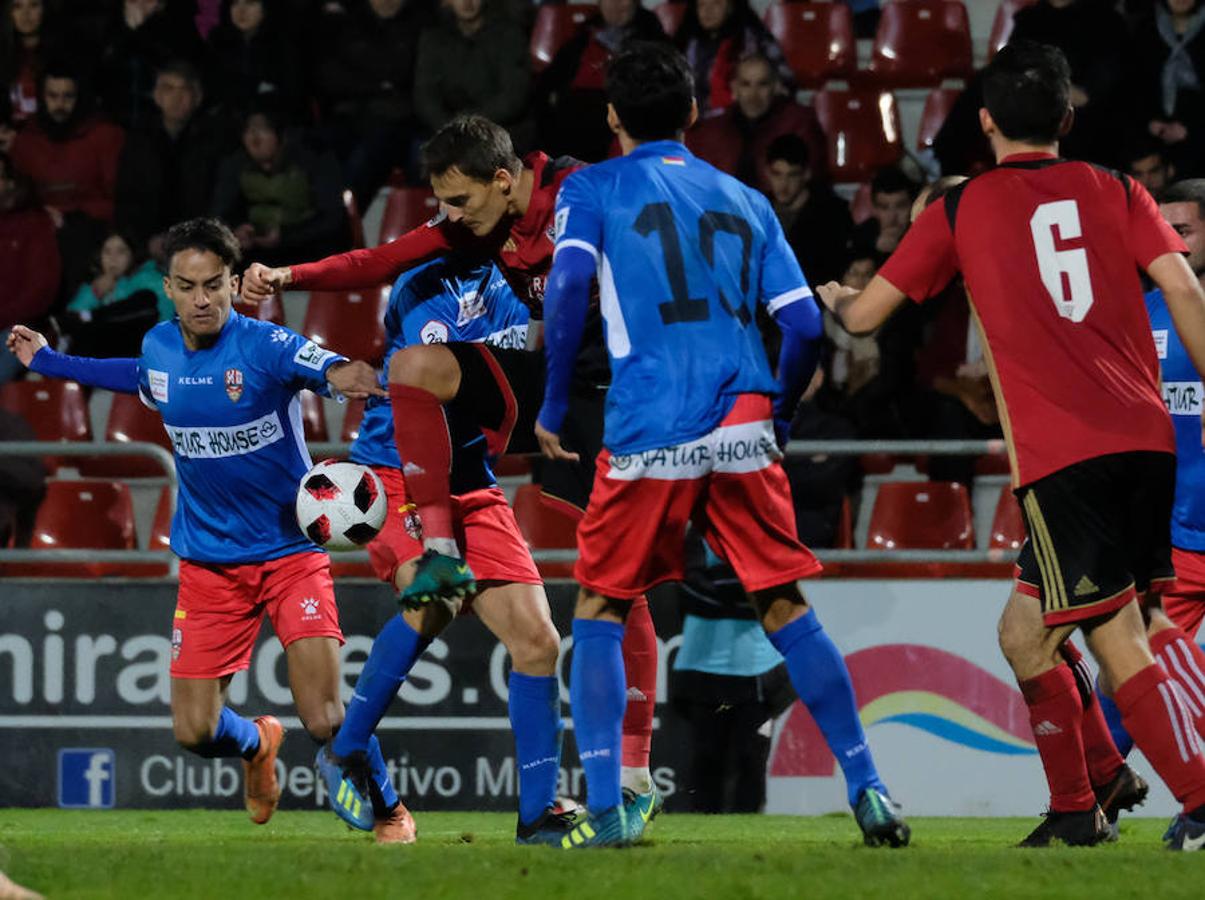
1064	272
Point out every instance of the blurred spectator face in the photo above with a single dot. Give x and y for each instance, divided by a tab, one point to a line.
27	17
247	15
1186	219
59	96
892	210
617	13
465	10
261	140
176	97
859	272
754	87
8	187
1181	7
385	9
1152	172
115	256
787	181
138	11
713	13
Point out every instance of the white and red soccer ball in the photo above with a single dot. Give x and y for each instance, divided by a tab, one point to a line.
340	505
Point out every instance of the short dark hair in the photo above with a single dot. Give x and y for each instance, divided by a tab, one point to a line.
473	144
652	89
790	148
1190	190
1027	89
1142	145
205	234
892	180
181	68
59	67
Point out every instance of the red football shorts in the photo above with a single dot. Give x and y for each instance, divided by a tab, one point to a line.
1184	601
485	529
728	482
219	610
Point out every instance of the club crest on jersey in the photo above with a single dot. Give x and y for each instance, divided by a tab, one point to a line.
434	332
234	385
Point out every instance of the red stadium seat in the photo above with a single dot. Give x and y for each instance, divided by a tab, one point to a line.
354	223
510	466
55	410
861	208
920	42
406	208
545	528
844	538
817	39
349	322
129	420
554	25
82	515
313	417
161	527
938	104
1002	25
270	310
671	14
921	515
1008	527
352	414
862	127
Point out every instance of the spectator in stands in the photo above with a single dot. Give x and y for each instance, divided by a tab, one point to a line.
253	57
1146	161
167	166
1168	53
366	89
960	146
22	487
70	155
573	117
715	35
475	60
891	196
29	260
1093	36
283	200
28	36
124	298
141	37
815	220
736	139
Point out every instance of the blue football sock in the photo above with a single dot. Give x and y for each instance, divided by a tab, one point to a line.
1121	737
821	680
394	652
233	736
598	696
535	718
380	774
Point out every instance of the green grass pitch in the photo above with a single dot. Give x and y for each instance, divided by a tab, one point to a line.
204	854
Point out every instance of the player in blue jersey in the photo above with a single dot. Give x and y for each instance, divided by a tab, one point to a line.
227	389
454	299
684	255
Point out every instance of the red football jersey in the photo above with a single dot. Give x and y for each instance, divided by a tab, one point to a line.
1049	251
521	245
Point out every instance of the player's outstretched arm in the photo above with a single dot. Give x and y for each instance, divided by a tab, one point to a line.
31	348
355	379
861	312
566	302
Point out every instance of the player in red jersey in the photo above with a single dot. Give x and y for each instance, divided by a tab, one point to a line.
1049	252
493	205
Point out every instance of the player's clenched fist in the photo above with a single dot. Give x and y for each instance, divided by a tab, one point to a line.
24	342
833	291
355	380
260	282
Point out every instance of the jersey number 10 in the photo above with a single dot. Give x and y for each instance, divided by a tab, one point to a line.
1064	272
659	218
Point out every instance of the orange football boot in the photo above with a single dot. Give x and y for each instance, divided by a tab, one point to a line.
396	828
261	792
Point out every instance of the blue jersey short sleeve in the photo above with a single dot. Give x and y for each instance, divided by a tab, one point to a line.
233	416
685	256
1183	395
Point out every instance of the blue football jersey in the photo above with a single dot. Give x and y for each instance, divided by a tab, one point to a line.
233	416
1182	394
445	300
685	254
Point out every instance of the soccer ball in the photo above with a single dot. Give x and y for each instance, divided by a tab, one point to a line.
340	505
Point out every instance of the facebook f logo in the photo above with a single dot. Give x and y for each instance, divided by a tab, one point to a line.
86	779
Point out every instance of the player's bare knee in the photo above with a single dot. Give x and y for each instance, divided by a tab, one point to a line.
322	722
428	366
535	652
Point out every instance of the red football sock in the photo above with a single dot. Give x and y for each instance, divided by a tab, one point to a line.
1154	716
1056	715
420	431
1184	664
640	661
1100	753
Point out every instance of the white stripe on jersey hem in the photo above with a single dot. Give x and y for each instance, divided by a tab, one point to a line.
581	245
777	303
